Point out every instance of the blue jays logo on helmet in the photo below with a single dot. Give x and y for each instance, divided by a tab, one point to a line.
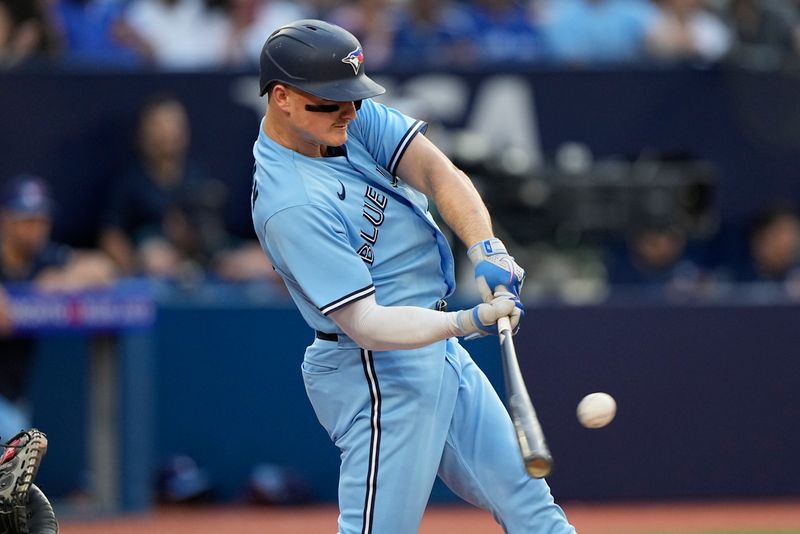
355	59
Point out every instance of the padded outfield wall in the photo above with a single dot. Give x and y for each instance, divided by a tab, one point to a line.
707	398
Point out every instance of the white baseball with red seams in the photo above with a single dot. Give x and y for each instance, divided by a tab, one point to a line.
596	410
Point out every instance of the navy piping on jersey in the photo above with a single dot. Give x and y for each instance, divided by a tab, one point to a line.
374	440
347	299
403	144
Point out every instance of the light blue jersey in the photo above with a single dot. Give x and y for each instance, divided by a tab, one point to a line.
343	227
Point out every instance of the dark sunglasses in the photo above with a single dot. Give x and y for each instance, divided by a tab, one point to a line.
329	108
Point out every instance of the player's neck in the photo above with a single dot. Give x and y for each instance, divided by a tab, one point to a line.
285	137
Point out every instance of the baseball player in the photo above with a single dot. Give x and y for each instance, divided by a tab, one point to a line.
339	204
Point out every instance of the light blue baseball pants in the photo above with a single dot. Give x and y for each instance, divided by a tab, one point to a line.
400	418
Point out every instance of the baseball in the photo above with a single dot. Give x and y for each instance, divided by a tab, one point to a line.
596	410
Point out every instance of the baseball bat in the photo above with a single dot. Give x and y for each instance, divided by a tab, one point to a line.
532	444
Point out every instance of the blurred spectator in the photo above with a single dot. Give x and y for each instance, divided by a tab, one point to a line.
28	255
655	257
164	217
432	33
274	484
25	32
93	32
505	31
774	248
766	33
685	30
251	21
179	34
322	8
182	481
371	22
597	31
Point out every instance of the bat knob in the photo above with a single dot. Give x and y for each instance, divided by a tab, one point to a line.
538	467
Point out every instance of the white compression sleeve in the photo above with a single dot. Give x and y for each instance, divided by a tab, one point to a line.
376	327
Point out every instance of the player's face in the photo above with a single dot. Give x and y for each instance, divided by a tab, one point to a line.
318	122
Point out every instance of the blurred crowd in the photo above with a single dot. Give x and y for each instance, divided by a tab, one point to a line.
163	220
214	34
758	262
163	216
648	251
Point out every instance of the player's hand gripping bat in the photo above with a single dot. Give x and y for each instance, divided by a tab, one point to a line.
532	445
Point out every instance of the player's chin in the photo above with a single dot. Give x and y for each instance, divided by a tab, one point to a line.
338	136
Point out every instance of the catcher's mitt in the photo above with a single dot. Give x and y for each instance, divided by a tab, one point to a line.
23	507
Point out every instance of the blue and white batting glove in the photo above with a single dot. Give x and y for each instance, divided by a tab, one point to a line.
495	270
482	319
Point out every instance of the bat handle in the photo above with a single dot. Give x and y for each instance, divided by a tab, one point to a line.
503	323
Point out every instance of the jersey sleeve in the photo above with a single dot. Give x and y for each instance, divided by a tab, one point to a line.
309	247
385	132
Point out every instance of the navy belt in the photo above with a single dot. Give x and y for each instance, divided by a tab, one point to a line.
441	305
326	337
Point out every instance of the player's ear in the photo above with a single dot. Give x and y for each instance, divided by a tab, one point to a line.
279	95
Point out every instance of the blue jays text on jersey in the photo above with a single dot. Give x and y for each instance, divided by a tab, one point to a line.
374	208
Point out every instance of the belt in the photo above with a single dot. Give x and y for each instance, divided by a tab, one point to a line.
325	336
441	305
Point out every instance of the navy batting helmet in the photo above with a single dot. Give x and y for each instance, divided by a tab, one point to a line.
317	57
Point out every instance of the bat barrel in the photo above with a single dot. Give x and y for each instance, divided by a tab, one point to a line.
535	453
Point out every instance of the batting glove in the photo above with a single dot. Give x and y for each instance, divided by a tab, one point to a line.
495	270
481	320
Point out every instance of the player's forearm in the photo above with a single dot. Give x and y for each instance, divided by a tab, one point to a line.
376	327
